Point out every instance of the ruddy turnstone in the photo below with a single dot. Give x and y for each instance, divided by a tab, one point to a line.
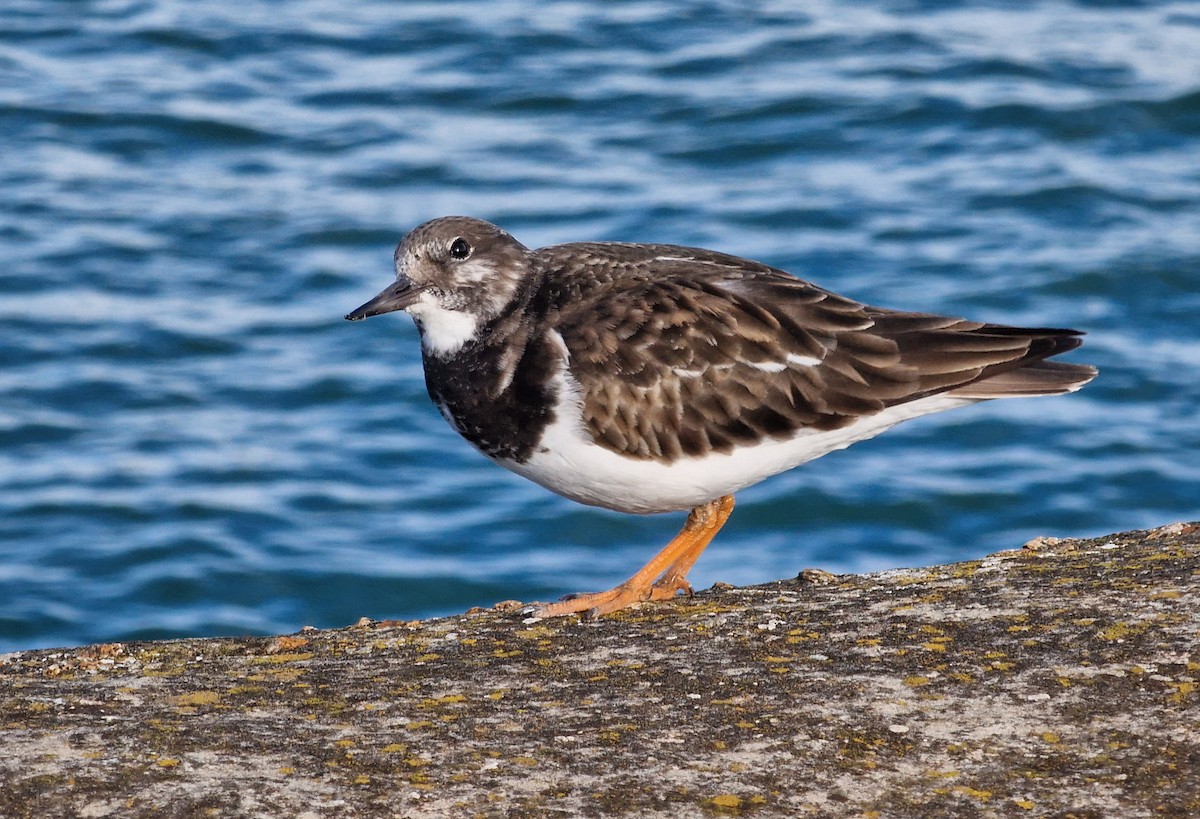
655	378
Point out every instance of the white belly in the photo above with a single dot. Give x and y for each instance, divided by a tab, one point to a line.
569	463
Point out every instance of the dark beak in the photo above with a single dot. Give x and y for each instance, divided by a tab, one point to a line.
396	296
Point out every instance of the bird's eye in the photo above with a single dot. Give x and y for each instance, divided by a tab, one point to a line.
459	249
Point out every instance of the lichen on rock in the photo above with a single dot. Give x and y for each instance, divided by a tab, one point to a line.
1056	679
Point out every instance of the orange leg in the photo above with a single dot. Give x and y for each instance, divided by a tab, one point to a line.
670	566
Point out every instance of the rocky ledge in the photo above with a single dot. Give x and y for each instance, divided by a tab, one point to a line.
1059	679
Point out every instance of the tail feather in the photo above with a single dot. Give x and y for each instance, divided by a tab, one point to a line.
978	361
1035	378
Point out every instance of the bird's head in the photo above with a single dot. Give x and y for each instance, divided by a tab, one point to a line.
453	275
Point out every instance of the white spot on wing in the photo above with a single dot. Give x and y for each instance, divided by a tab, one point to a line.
792	360
803	360
692	260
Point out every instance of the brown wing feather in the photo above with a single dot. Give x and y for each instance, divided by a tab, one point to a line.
681	356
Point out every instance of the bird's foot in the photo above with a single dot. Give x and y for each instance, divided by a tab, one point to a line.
670	566
596	604
670	585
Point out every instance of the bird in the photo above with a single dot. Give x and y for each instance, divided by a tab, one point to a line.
650	378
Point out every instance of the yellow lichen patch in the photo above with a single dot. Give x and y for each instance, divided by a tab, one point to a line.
727	801
496	695
286	771
942	774
961	571
1169	594
167	762
362	779
427	658
777	659
974	793
961	676
280	659
527	761
1183	690
198	698
916	681
1023	804
1051	737
868	642
1120	631
394	748
418	725
436	702
535	633
931	646
344	743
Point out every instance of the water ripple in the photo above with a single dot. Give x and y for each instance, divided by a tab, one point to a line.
192	441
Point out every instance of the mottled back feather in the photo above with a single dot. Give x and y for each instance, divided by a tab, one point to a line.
680	351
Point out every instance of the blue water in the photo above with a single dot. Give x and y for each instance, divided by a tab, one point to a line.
193	441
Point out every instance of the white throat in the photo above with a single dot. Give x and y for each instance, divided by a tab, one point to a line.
443	332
